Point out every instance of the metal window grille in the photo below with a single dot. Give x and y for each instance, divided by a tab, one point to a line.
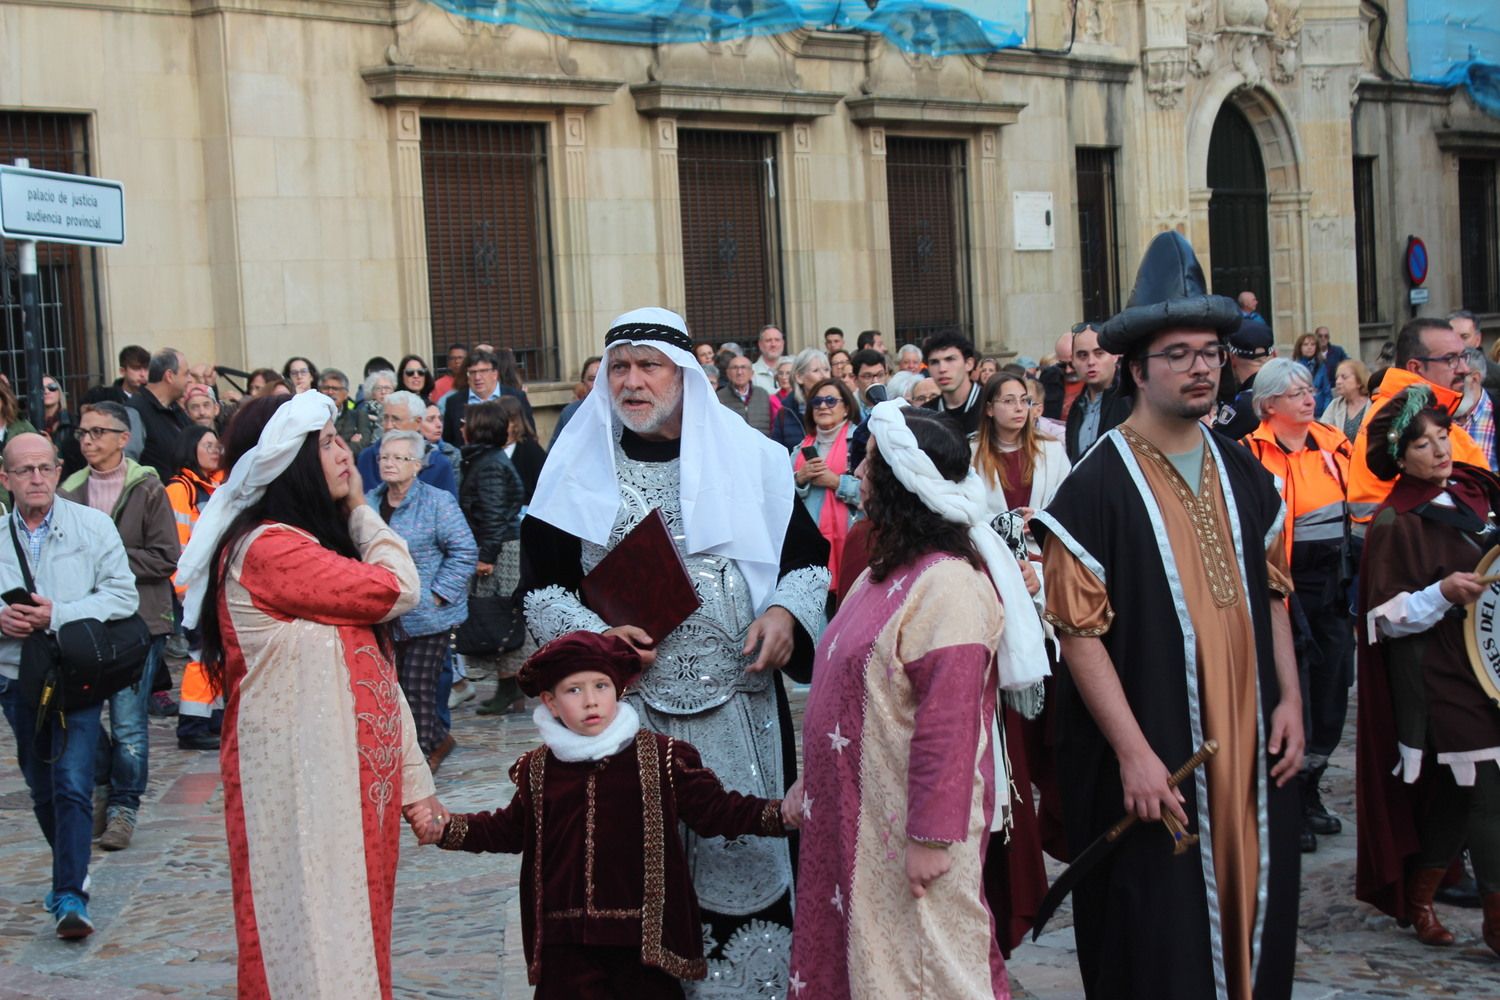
1239	235
731	246
72	327
927	190
1367	279
1479	255
489	254
1096	233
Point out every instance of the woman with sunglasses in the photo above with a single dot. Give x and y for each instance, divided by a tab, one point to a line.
826	484
415	376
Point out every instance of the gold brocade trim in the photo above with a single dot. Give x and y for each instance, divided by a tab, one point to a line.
458	830
1081	633
770	820
1203	512
534	965
577	912
653	856
588	843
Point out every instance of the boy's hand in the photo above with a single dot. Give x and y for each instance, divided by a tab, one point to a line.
791	806
924	865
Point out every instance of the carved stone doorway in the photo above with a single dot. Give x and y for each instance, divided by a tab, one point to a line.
1238	225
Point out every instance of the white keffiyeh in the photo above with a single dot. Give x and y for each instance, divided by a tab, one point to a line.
279	443
736	495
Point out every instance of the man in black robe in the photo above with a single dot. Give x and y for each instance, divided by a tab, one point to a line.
651	436
1174	632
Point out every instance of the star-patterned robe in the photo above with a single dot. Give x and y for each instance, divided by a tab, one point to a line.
896	747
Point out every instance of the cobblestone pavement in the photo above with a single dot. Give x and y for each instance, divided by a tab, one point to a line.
162	908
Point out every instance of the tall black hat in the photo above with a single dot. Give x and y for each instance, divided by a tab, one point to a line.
1169	294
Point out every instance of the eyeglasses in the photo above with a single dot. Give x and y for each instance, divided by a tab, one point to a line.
388	459
95	433
1181	359
213	447
1295	394
413	372
1085	325
819	402
27	471
298	372
1451	360
51	386
1015	400
482	370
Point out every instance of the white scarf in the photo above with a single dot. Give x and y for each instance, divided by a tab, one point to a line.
736	495
282	438
572	747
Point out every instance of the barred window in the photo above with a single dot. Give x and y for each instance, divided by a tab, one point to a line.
489	254
71	326
927	191
1098	263
1366	251
731	246
1478	234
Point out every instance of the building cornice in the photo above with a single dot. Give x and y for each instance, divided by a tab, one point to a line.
690	100
1477	138
1068	67
424	84
1403	92
879	109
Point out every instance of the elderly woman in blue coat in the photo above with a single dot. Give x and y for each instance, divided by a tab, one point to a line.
443	548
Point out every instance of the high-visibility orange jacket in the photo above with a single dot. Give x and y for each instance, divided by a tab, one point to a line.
1367	490
188	492
1312	481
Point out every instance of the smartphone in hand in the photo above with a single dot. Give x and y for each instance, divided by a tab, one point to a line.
18	595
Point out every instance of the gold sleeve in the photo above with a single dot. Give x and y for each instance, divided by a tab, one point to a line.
1077	601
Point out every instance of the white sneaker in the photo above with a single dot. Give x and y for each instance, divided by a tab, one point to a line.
462	691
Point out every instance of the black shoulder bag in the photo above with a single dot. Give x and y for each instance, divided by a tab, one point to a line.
81	664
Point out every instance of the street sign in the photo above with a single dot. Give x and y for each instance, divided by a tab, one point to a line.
1419	296
46	206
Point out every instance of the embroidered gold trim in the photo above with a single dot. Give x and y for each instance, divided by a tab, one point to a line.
770	820
1082	633
458	830
1203	511
653	856
576	913
538	769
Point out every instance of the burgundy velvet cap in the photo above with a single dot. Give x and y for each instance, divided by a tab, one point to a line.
574	652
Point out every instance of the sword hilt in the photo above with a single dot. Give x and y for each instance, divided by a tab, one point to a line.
1207	750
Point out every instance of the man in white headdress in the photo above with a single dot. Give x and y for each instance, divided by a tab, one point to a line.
651	435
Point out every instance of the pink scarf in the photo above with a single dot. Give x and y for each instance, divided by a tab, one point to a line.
833	519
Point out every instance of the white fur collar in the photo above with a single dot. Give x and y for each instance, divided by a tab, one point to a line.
572	747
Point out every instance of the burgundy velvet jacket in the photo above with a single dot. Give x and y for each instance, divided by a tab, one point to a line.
613	872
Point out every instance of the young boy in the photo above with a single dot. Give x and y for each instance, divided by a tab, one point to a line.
607	904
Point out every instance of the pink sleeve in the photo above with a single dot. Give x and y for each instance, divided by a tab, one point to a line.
948	684
288	575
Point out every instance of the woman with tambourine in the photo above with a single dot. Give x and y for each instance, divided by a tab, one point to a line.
1429	735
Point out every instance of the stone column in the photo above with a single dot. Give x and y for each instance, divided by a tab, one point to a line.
988	247
1164	61
576	326
669	217
880	233
411	228
802	286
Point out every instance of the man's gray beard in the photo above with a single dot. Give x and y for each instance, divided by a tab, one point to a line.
660	412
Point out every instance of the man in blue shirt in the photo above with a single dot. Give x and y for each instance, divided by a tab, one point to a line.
483	371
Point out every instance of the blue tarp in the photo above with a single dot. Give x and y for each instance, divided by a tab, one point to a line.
1456	43
925	26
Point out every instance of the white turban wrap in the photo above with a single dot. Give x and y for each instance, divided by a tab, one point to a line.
1022	657
279	443
736	494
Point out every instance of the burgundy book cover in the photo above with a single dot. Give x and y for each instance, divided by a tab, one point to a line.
642	582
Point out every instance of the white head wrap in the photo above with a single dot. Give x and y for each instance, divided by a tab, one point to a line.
279	443
735	491
1022	657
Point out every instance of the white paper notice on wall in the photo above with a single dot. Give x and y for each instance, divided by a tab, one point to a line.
1032	212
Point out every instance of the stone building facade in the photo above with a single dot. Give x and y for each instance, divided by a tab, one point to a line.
343	178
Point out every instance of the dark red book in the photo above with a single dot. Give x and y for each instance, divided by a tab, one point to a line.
642	582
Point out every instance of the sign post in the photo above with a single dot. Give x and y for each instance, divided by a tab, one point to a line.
43	205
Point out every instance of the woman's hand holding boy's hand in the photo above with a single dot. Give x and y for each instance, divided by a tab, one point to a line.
791	806
427	819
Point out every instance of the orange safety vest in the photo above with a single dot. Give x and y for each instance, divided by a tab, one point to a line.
183	492
1313	481
1368	491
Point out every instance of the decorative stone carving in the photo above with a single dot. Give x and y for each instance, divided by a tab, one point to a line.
1318	77
1245	61
1244	13
1285	25
1165	71
1096	20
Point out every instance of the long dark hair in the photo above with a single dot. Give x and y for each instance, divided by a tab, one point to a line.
298	497
185	454
902	528
426	391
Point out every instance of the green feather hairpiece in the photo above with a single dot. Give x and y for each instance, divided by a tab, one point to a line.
1418	398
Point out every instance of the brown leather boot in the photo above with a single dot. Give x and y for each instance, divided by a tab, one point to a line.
1491	903
1420	886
